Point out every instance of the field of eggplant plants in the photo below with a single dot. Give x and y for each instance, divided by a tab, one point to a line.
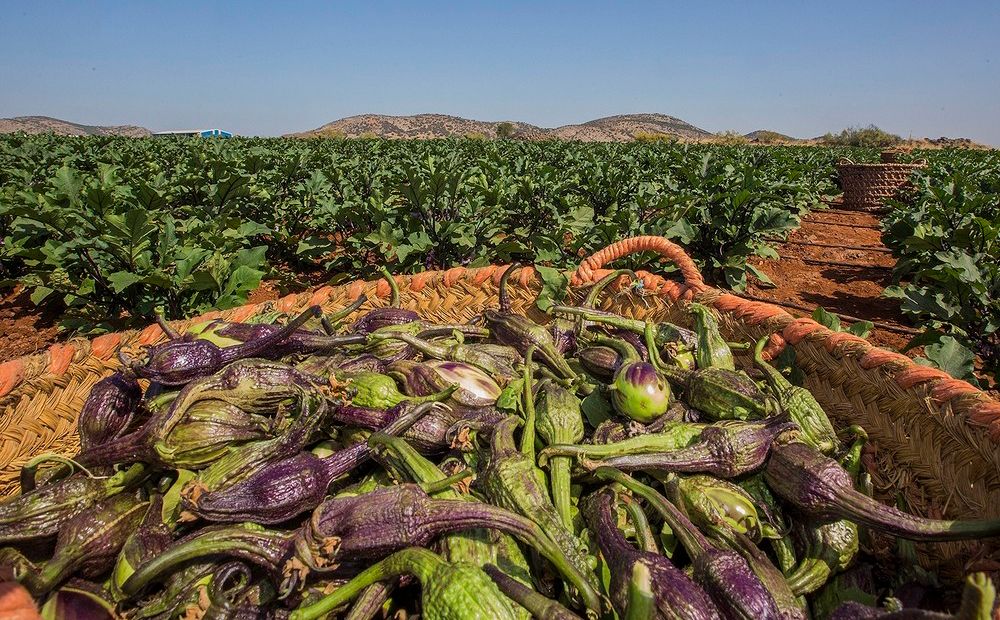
114	230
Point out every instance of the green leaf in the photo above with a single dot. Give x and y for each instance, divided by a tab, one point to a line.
861	329
554	287
511	396
121	280
826	319
765	281
596	408
40	293
952	357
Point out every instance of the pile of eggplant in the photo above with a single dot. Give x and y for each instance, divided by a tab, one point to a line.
596	466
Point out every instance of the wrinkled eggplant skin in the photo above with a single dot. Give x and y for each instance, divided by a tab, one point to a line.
274	494
431	434
383	317
675	594
599	361
185	359
733	586
181	361
109	409
44	511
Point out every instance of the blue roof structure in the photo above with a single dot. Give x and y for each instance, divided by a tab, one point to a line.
204	133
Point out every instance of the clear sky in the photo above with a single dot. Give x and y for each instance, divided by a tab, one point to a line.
926	68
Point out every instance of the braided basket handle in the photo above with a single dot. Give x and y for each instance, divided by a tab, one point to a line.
660	245
845	161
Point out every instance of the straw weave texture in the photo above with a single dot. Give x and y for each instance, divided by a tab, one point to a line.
867	186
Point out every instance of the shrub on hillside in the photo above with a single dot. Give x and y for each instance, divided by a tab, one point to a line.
868	137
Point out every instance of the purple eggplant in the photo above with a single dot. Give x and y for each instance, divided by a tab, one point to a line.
180	361
728	448
287	488
45	511
675	595
109	409
249	386
239	464
383	317
435	432
87	543
819	487
724	574
407	516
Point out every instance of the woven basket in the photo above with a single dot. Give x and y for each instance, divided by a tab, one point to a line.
867	186
935	438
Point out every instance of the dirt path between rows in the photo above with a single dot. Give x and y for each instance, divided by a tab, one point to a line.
841	279
803	275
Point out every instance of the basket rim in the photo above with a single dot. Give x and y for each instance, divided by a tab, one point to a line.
981	409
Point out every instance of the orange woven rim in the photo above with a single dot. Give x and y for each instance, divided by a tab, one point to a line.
982	410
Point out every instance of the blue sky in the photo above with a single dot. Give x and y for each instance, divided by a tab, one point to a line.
802	68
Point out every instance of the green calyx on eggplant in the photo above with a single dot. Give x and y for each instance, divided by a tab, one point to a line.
447	590
378	391
800	405
712	349
819	487
722	394
177	362
558	420
511	480
827	549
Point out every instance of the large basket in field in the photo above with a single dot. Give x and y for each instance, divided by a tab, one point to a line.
867	186
936	439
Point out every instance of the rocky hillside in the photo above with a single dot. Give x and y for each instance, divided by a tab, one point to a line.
611	129
46	124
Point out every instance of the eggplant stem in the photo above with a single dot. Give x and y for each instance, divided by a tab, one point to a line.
393	287
249	349
641	602
415	560
437	486
169	331
528	434
538	605
503	297
29	470
643	533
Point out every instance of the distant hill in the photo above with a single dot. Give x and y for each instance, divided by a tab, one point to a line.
767	136
47	124
611	129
